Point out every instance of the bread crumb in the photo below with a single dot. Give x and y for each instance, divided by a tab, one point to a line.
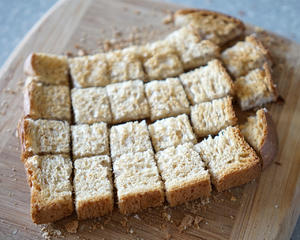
197	221
233	198
276	206
186	222
15	231
72	226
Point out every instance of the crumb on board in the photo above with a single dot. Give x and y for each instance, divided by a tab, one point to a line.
186	222
72	226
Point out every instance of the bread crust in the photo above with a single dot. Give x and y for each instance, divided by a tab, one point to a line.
22	125
28	65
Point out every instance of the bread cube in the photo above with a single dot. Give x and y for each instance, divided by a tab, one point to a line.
129	137
192	50
49	177
90	105
89	71
161	61
44	136
229	158
93	187
183	173
124	65
137	182
207	83
170	132
166	98
127	101
209	118
256	88
48	68
89	140
47	102
245	56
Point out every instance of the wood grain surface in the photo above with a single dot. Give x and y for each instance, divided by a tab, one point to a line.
264	209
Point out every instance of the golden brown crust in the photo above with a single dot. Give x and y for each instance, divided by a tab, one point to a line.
22	125
95	207
272	88
189	192
136	202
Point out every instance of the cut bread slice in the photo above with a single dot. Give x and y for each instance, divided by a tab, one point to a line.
209	118
260	132
47	102
90	105
207	83
161	61
137	182
193	52
256	88
245	56
89	71
90	140
129	137
43	137
229	158
166	98
124	65
93	187
183	173
217	27
171	132
50	69
127	101
51	188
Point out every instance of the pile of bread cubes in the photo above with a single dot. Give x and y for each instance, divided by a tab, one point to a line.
149	123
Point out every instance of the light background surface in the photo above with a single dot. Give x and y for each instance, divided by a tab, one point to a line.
279	16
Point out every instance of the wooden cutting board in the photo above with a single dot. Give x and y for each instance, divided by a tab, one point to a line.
265	209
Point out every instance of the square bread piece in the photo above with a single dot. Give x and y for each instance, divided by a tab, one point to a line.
44	136
47	102
161	61
245	56
193	52
127	101
50	69
90	105
124	65
229	158
209	118
90	140
170	132
93	187
137	182
129	137
256	88
183	173
166	98
89	71
49	177
207	83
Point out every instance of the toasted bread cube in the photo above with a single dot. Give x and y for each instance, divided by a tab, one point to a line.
125	65
256	88
129	137
218	28
162	61
47	102
193	52
245	56
127	101
229	158
49	177
166	98
137	182
207	83
90	140
183	173
89	71
90	105
44	136
260	132
209	118
48	68
171	132
93	187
